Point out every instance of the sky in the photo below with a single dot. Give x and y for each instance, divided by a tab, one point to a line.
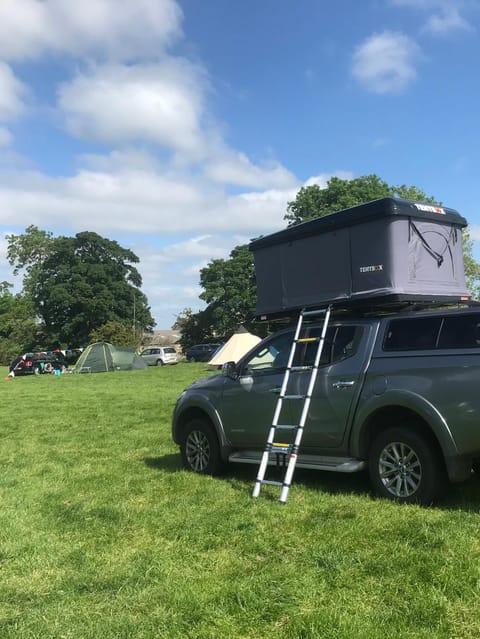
182	128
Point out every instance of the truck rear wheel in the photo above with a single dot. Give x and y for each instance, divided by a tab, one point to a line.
405	467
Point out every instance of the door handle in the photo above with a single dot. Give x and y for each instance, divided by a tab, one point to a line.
343	384
275	390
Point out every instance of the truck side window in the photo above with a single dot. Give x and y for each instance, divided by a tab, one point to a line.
461	331
412	334
338	345
272	355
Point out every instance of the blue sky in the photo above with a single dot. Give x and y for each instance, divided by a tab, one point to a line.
182	128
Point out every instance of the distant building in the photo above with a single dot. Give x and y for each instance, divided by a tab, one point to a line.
164	338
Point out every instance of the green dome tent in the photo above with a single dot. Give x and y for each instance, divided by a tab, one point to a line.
102	357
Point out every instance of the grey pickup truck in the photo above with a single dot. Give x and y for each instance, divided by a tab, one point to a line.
397	394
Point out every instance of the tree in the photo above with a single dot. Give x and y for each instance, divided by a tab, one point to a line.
196	328
117	333
229	288
79	283
312	201
18	330
472	268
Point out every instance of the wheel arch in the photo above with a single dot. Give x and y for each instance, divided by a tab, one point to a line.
395	415
398	408
199	412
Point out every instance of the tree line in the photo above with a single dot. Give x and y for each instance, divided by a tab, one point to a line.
87	288
75	290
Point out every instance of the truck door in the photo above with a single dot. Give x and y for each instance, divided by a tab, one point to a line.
248	402
339	380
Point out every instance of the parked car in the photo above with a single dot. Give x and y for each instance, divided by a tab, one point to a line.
38	363
201	352
396	394
159	355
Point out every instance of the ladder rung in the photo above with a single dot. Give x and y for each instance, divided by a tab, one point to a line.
286	426
301	368
315	312
271	482
294	397
303	340
281	451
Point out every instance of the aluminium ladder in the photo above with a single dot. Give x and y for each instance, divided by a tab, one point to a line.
291	450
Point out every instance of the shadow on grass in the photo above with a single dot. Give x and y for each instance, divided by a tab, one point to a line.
171	463
241	477
464	497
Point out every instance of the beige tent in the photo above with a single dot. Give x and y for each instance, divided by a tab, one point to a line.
236	347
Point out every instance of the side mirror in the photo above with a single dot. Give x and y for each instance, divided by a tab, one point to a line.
229	369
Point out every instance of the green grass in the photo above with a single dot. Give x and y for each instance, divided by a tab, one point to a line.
103	535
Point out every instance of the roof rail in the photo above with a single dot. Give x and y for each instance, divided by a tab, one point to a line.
368	308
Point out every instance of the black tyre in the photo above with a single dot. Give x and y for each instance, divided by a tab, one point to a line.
406	467
200	449
192	359
159	362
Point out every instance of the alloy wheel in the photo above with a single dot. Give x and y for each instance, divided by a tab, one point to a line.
197	450
400	469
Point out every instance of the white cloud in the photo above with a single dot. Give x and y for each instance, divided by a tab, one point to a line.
161	103
136	202
474	231
100	28
447	21
5	137
119	197
232	167
12	93
175	223
445	15
322	179
384	63
196	247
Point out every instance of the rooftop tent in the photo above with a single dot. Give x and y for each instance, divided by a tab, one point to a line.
102	357
386	250
236	347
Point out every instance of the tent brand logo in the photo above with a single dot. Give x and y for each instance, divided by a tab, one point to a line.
430	209
371	269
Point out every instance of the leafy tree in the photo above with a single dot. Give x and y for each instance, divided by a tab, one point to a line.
117	333
472	268
78	283
229	288
27	252
196	328
18	330
312	201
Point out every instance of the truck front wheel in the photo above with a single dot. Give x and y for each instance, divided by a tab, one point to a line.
200	449
405	466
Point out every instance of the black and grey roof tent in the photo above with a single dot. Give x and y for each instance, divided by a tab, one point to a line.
386	250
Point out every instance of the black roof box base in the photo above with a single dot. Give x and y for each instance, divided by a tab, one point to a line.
376	306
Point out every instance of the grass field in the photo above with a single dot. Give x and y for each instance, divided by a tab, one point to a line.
103	535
